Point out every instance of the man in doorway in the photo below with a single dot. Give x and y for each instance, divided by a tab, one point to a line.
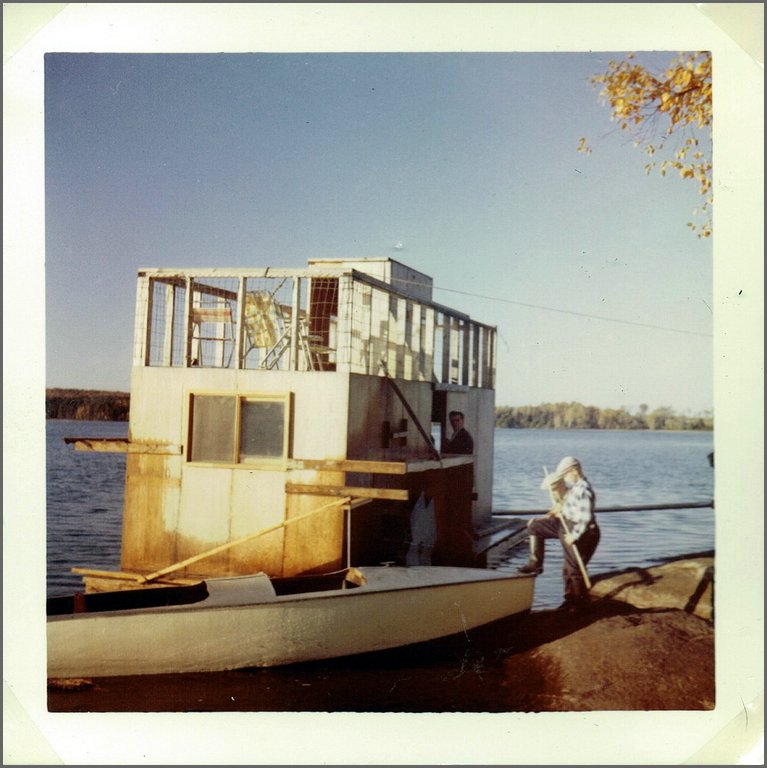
461	440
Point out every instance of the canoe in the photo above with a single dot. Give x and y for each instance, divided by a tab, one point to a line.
255	621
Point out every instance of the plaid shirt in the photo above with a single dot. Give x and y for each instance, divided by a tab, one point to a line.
578	507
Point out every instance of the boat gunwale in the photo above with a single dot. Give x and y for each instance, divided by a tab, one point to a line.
300	597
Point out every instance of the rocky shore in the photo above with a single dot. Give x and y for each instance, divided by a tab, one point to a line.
645	641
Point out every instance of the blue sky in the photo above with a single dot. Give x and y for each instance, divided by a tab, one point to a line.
461	165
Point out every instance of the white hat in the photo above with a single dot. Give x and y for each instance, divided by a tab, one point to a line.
565	466
562	469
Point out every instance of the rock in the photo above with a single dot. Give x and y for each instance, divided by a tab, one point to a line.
633	660
645	641
686	584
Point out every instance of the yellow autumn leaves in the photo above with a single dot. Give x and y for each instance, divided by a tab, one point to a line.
646	105
636	95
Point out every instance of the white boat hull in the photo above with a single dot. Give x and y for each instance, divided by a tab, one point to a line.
242	623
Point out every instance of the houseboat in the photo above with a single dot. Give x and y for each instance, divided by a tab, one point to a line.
288	492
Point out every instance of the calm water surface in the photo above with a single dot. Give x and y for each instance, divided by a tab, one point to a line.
85	497
625	468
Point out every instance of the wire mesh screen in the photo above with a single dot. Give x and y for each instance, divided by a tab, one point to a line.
166	322
387	332
213	322
310	323
290	323
209	337
267	319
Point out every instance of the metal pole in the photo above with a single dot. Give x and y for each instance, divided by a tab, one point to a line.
629	508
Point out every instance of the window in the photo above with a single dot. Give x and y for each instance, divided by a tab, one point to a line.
262	429
238	429
213	434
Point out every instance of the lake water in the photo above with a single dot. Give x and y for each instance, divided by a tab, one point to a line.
85	496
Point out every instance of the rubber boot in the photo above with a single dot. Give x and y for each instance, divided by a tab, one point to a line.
576	598
535	563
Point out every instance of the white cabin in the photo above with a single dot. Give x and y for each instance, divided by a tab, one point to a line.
301	404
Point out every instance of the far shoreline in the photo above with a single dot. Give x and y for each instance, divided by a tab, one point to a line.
105	405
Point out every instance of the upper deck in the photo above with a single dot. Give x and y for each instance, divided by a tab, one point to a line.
369	316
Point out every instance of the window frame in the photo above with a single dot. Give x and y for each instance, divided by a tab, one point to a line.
237	460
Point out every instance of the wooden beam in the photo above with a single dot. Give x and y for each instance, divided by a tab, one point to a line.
378	467
351	465
121	445
425	465
212	314
130	577
392	494
106	574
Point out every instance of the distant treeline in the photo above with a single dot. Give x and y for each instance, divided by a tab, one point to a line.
89	405
577	416
86	405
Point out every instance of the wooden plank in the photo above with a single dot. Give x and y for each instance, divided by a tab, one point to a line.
466	356
424	465
170	311
178	275
102	444
392	494
147	320
488	361
104	581
351	465
378	467
106	574
445	347
121	445
212	315
188	324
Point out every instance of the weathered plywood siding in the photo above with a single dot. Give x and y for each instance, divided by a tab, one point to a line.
372	401
150	519
257	502
175	509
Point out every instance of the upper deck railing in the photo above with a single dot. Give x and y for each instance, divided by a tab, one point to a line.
306	320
